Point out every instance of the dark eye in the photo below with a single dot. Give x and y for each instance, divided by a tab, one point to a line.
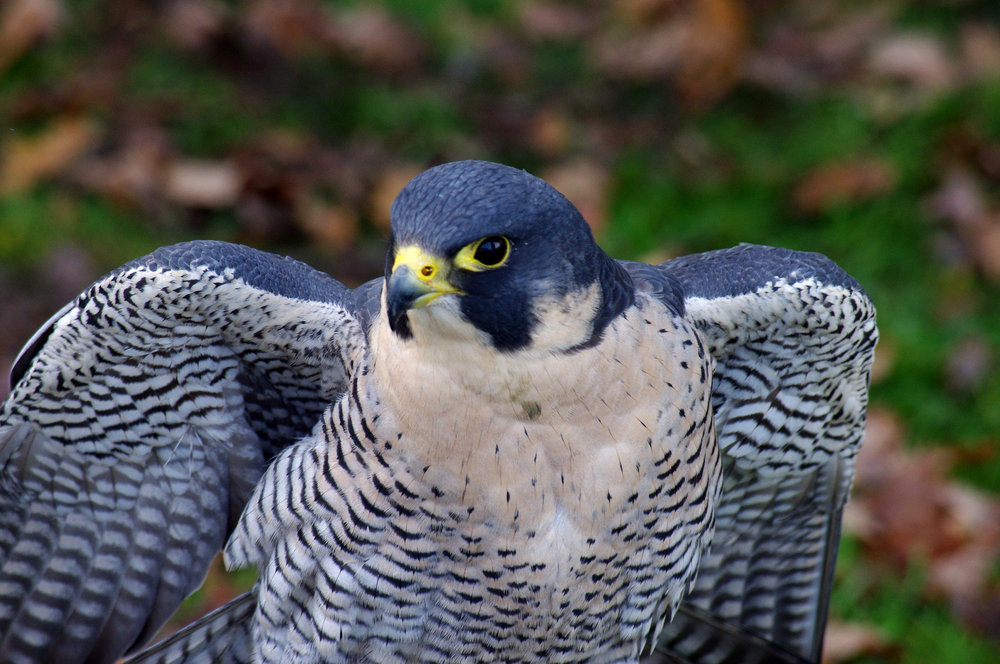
492	250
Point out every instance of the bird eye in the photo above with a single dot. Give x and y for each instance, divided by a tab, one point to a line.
485	254
492	250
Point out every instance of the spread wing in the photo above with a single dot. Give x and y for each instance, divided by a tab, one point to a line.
140	419
792	336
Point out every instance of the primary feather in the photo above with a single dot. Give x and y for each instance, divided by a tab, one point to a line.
524	462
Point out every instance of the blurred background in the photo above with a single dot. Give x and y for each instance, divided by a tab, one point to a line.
868	131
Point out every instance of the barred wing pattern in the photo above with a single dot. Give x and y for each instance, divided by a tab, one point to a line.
142	418
145	412
793	339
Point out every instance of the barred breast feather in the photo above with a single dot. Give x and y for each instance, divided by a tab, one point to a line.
564	459
488	532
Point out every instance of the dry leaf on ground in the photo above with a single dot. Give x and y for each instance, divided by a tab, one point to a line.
202	184
980	44
557	21
23	23
193	24
974	220
969	365
844	641
385	188
27	160
841	182
585	183
917	59
906	510
698	44
334	227
293	28
377	39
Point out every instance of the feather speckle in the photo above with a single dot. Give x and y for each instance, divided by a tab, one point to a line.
547	458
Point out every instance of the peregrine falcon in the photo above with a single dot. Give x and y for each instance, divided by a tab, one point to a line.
510	448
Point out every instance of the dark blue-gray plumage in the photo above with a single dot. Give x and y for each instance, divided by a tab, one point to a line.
510	447
554	253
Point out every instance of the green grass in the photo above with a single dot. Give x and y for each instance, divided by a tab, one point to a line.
917	630
209	114
33	223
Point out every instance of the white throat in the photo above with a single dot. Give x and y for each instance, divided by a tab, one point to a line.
447	355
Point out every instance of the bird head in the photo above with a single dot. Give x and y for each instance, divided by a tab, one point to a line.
484	249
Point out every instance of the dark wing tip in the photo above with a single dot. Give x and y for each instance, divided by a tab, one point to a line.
33	345
703	638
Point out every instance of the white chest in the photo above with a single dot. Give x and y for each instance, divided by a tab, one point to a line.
554	441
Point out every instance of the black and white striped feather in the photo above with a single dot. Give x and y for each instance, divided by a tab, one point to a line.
793	339
143	419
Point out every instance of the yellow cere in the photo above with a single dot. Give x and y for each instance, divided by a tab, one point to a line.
427	269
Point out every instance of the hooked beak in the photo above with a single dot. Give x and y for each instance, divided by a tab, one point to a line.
417	279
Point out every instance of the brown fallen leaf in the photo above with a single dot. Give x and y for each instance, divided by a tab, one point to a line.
193	24
376	39
23	23
980	49
916	59
646	54
334	227
717	40
202	184
900	505
964	572
130	172
840	182
557	21
804	53
969	364
980	612
983	240
959	199
551	132
698	45
906	510
640	12
293	28
384	190
585	183
27	160
844	641
972	219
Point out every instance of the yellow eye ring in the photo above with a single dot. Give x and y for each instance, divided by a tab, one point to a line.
486	253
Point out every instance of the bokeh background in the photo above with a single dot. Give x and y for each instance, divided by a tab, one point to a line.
869	131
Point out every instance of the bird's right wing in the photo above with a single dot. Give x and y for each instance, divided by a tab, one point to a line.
139	421
224	636
792	336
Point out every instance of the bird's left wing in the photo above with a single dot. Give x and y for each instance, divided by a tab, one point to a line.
792	336
141	416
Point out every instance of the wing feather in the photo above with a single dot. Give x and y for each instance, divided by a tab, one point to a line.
792	336
139	422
